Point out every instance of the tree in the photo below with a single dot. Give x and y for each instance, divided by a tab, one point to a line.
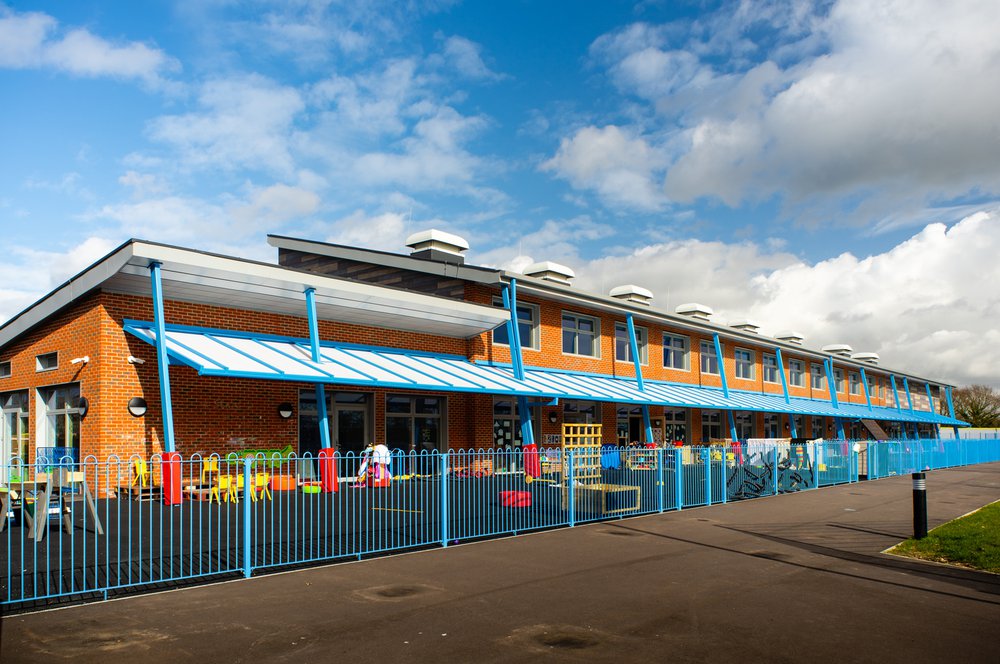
979	405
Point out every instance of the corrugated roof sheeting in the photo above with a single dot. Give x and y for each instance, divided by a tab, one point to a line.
226	353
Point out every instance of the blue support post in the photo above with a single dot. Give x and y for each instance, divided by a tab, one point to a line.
324	417
247	518
774	473
706	455
722	365
162	362
781	372
679	478
951	411
633	345
732	426
839	421
930	404
570	493
909	399
864	382
828	365
443	469
895	393
509	293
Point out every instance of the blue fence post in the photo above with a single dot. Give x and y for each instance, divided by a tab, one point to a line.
679	476
774	471
570	493
443	469
854	462
815	464
661	485
707	458
247	518
724	475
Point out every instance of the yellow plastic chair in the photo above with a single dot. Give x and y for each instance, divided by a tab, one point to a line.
225	488
209	467
140	474
261	486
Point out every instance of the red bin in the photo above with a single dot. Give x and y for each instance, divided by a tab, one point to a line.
171	475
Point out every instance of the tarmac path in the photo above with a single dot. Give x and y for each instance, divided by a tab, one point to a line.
792	578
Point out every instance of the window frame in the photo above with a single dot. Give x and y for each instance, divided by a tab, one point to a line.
5	369
535	334
685	352
710	355
764	357
838	380
39	368
747	363
576	344
793	373
854	383
641	340
817	376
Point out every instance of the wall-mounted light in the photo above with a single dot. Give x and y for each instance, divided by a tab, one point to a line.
135	360
656	423
78	360
137	407
82	406
553	417
285	410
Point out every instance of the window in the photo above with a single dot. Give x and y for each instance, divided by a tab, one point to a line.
675	352
581	412
5	369
527	326
770	363
711	425
796	373
744	425
675	425
47	362
59	408
415	419
623	349
817	427
709	360
507	424
838	379
800	427
771	425
816	372
630	425
744	363
855	382
13	431
579	335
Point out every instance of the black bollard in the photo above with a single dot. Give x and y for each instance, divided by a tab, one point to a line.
919	506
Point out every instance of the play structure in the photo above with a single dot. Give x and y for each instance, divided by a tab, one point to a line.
375	469
582	483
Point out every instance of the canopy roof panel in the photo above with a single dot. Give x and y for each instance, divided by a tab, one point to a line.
216	352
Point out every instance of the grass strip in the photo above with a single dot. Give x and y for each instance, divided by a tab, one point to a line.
969	541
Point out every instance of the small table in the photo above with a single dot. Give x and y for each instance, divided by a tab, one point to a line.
44	489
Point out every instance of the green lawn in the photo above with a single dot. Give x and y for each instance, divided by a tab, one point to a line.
971	541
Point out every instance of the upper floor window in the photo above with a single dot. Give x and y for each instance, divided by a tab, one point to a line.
5	369
838	379
770	368
47	362
796	373
816	373
709	359
580	334
854	382
527	326
744	363
675	352
623	349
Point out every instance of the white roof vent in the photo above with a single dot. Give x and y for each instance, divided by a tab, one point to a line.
790	337
550	271
746	325
838	349
437	245
694	310
870	358
632	293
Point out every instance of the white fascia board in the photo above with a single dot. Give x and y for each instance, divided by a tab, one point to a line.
276	281
77	286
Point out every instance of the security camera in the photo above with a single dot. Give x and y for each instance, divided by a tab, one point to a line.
78	360
135	360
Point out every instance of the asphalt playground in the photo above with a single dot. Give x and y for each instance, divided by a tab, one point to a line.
788	578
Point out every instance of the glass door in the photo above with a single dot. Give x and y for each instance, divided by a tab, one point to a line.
13	432
351	428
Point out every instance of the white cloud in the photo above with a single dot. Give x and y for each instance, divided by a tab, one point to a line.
275	205
927	306
556	240
386	231
244	123
31	41
464	57
620	168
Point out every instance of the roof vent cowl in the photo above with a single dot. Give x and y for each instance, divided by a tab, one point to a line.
694	310
745	325
838	349
435	245
550	271
790	337
632	293
870	358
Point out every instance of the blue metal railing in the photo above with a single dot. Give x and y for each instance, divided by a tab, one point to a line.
90	529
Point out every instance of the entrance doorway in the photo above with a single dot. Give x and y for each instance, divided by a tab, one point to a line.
349	416
13	431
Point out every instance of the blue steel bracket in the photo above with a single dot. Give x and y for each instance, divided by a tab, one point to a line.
162	362
868	396
828	364
722	365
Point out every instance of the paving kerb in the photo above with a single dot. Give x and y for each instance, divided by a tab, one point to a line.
786	578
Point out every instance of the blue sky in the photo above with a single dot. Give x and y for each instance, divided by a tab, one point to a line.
828	167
